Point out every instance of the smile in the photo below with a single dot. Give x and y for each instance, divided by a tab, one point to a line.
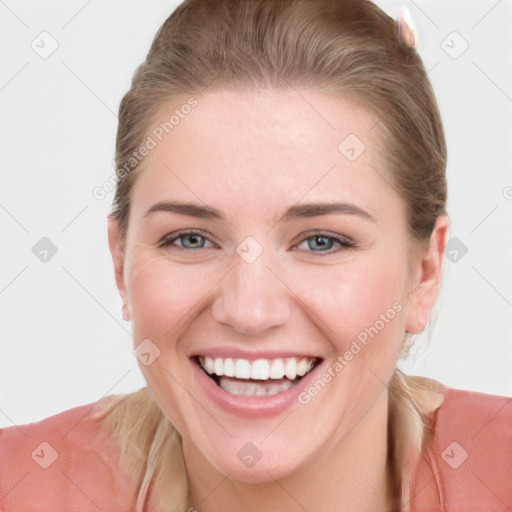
261	377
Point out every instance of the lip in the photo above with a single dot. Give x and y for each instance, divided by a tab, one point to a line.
244	406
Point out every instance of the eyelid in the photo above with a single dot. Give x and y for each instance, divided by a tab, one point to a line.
326	234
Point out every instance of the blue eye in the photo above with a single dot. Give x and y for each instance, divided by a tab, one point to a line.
188	240
324	243
320	243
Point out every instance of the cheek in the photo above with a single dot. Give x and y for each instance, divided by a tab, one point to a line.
162	299
347	301
162	295
359	309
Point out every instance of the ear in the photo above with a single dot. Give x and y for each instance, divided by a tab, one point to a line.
117	253
426	277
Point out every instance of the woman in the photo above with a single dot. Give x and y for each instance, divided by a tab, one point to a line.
277	237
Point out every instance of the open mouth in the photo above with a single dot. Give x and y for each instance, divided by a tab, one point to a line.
261	377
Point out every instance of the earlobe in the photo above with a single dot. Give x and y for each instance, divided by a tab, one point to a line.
427	278
114	244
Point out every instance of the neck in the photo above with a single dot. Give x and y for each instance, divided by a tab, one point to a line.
350	474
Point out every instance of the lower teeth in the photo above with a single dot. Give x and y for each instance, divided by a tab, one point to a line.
253	387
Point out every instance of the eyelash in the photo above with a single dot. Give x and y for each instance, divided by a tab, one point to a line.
344	242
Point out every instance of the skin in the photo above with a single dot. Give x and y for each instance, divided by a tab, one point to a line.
252	156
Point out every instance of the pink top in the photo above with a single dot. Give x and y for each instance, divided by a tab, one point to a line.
67	462
466	465
63	463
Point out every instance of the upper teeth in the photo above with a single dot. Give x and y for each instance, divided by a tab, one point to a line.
260	369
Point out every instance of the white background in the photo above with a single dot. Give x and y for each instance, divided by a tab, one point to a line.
63	342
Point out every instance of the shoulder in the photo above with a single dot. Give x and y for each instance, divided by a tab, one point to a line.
64	462
470	451
470	410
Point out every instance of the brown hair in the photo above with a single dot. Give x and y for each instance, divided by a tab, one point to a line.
346	48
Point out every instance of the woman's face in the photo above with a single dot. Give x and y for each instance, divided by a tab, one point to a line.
266	240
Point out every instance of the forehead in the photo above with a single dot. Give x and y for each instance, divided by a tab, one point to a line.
233	150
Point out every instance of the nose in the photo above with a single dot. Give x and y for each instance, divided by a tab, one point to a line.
251	299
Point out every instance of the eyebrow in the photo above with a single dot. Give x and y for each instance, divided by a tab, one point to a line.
294	212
